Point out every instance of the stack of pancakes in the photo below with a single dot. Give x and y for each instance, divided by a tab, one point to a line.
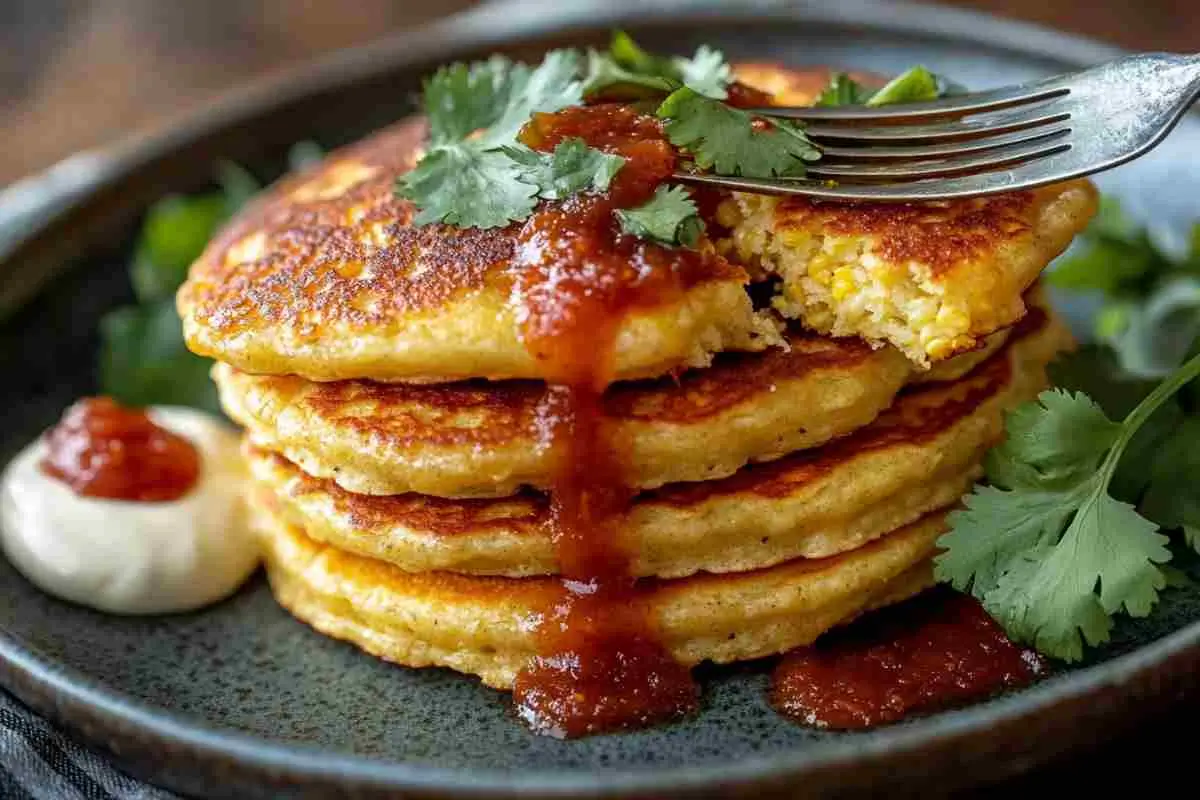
784	480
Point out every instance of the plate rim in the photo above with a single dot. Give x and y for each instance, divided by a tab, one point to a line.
64	693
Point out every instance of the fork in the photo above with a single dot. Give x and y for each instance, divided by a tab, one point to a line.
1002	140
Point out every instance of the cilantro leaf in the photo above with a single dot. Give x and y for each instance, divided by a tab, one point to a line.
497	97
1054	555
468	177
843	91
1094	371
914	85
551	86
1172	499
469	187
994	527
706	72
573	167
630	72
727	139
173	235
1115	256
1107	545
1058	433
143	360
609	79
630	55
460	99
670	218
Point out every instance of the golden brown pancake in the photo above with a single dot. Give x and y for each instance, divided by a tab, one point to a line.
325	276
481	439
922	453
931	279
487	625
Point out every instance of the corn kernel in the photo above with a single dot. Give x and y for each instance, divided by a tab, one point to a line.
843	284
949	317
939	347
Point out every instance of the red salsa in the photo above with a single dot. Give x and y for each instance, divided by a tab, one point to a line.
936	650
601	666
102	449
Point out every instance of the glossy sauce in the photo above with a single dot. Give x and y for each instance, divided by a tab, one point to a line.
102	449
936	650
601	665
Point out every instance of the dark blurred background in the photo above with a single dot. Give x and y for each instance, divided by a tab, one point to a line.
77	73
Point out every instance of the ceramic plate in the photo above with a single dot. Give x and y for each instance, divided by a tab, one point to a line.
244	701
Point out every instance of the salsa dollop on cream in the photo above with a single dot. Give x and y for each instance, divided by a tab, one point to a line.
129	511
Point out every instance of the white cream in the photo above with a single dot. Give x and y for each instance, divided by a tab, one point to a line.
128	557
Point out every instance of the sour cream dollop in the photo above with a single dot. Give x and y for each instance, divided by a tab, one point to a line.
129	556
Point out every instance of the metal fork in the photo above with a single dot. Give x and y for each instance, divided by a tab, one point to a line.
996	141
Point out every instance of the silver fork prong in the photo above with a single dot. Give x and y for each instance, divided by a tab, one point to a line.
1117	111
960	106
921	170
834	154
992	125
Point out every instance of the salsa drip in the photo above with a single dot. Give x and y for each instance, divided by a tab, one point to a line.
602	665
103	449
930	652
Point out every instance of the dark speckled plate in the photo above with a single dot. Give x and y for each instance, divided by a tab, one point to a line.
241	700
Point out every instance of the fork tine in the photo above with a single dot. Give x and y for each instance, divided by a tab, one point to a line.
920	170
1022	176
939	131
834	154
959	106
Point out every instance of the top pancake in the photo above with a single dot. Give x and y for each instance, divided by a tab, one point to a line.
325	276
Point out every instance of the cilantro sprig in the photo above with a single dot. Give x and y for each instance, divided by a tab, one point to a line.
1048	550
474	174
628	72
670	218
732	141
1069	530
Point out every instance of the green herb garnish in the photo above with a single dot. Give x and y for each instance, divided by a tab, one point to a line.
143	360
474	174
732	141
1069	532
626	71
670	218
914	85
572	168
1151	313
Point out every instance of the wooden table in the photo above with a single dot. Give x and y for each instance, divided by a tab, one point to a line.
77	73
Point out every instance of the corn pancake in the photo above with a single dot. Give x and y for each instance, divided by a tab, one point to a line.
487	625
325	276
921	454
482	439
931	279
